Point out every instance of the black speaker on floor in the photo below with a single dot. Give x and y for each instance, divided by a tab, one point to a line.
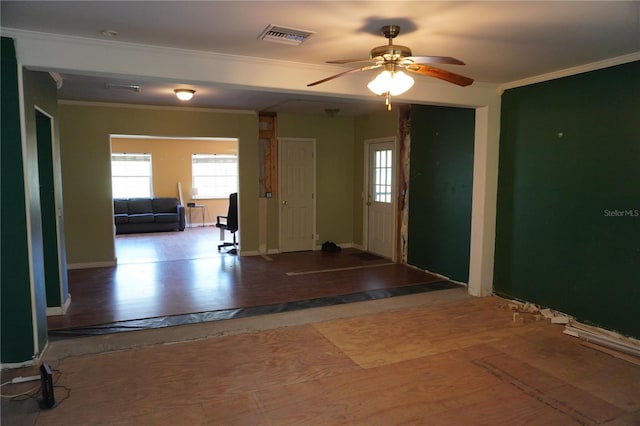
46	378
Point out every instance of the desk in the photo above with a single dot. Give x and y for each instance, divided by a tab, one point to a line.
202	207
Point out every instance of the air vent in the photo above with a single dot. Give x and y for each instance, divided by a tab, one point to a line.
122	86
284	35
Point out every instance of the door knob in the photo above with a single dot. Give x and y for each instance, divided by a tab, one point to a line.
285	202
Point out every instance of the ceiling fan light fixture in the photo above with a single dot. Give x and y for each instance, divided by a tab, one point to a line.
184	94
392	82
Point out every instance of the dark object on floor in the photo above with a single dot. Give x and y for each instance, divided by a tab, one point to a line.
230	223
46	379
367	256
330	247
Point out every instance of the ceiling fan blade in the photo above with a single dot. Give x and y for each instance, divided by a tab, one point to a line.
348	61
458	79
366	68
433	60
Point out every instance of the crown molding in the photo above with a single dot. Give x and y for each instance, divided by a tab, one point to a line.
146	48
593	66
156	107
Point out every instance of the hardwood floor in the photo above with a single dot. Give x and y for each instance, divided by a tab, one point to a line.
458	363
176	273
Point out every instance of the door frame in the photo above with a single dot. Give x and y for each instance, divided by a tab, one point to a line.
313	245
394	191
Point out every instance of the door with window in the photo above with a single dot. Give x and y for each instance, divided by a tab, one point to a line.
379	209
297	204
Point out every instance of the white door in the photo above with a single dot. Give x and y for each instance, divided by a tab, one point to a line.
297	205
380	197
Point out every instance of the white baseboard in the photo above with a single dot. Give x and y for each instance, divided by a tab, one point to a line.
59	310
602	337
89	265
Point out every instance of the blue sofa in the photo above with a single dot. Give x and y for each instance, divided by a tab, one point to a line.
133	215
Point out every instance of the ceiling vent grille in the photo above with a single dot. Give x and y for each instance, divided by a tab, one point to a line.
284	35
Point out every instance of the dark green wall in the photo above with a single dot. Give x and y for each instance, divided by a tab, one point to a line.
440	189
568	217
44	139
17	326
40	93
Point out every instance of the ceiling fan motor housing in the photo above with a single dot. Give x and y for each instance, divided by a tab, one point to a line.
390	52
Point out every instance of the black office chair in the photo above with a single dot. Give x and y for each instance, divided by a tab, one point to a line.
230	223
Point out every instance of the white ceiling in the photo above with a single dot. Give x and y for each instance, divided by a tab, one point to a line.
501	41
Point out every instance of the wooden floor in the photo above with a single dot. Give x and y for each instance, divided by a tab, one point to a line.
460	363
176	273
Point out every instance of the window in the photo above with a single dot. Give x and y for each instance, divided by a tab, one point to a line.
214	176
131	175
382	176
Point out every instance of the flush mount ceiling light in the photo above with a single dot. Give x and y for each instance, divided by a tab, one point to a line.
184	94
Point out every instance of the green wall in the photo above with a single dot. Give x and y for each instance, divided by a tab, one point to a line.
568	221
334	172
40	94
440	189
44	138
17	323
86	166
31	274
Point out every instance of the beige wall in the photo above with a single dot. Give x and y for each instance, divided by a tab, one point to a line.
85	132
171	163
334	172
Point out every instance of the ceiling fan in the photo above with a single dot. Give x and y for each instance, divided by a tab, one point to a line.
393	59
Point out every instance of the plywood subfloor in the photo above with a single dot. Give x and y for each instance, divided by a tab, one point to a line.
461	363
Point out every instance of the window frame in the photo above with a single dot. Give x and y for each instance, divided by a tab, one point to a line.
224	188
132	157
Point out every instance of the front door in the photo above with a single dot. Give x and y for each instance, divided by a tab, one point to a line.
297	204
380	197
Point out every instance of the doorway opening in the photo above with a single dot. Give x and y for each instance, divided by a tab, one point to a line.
200	173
